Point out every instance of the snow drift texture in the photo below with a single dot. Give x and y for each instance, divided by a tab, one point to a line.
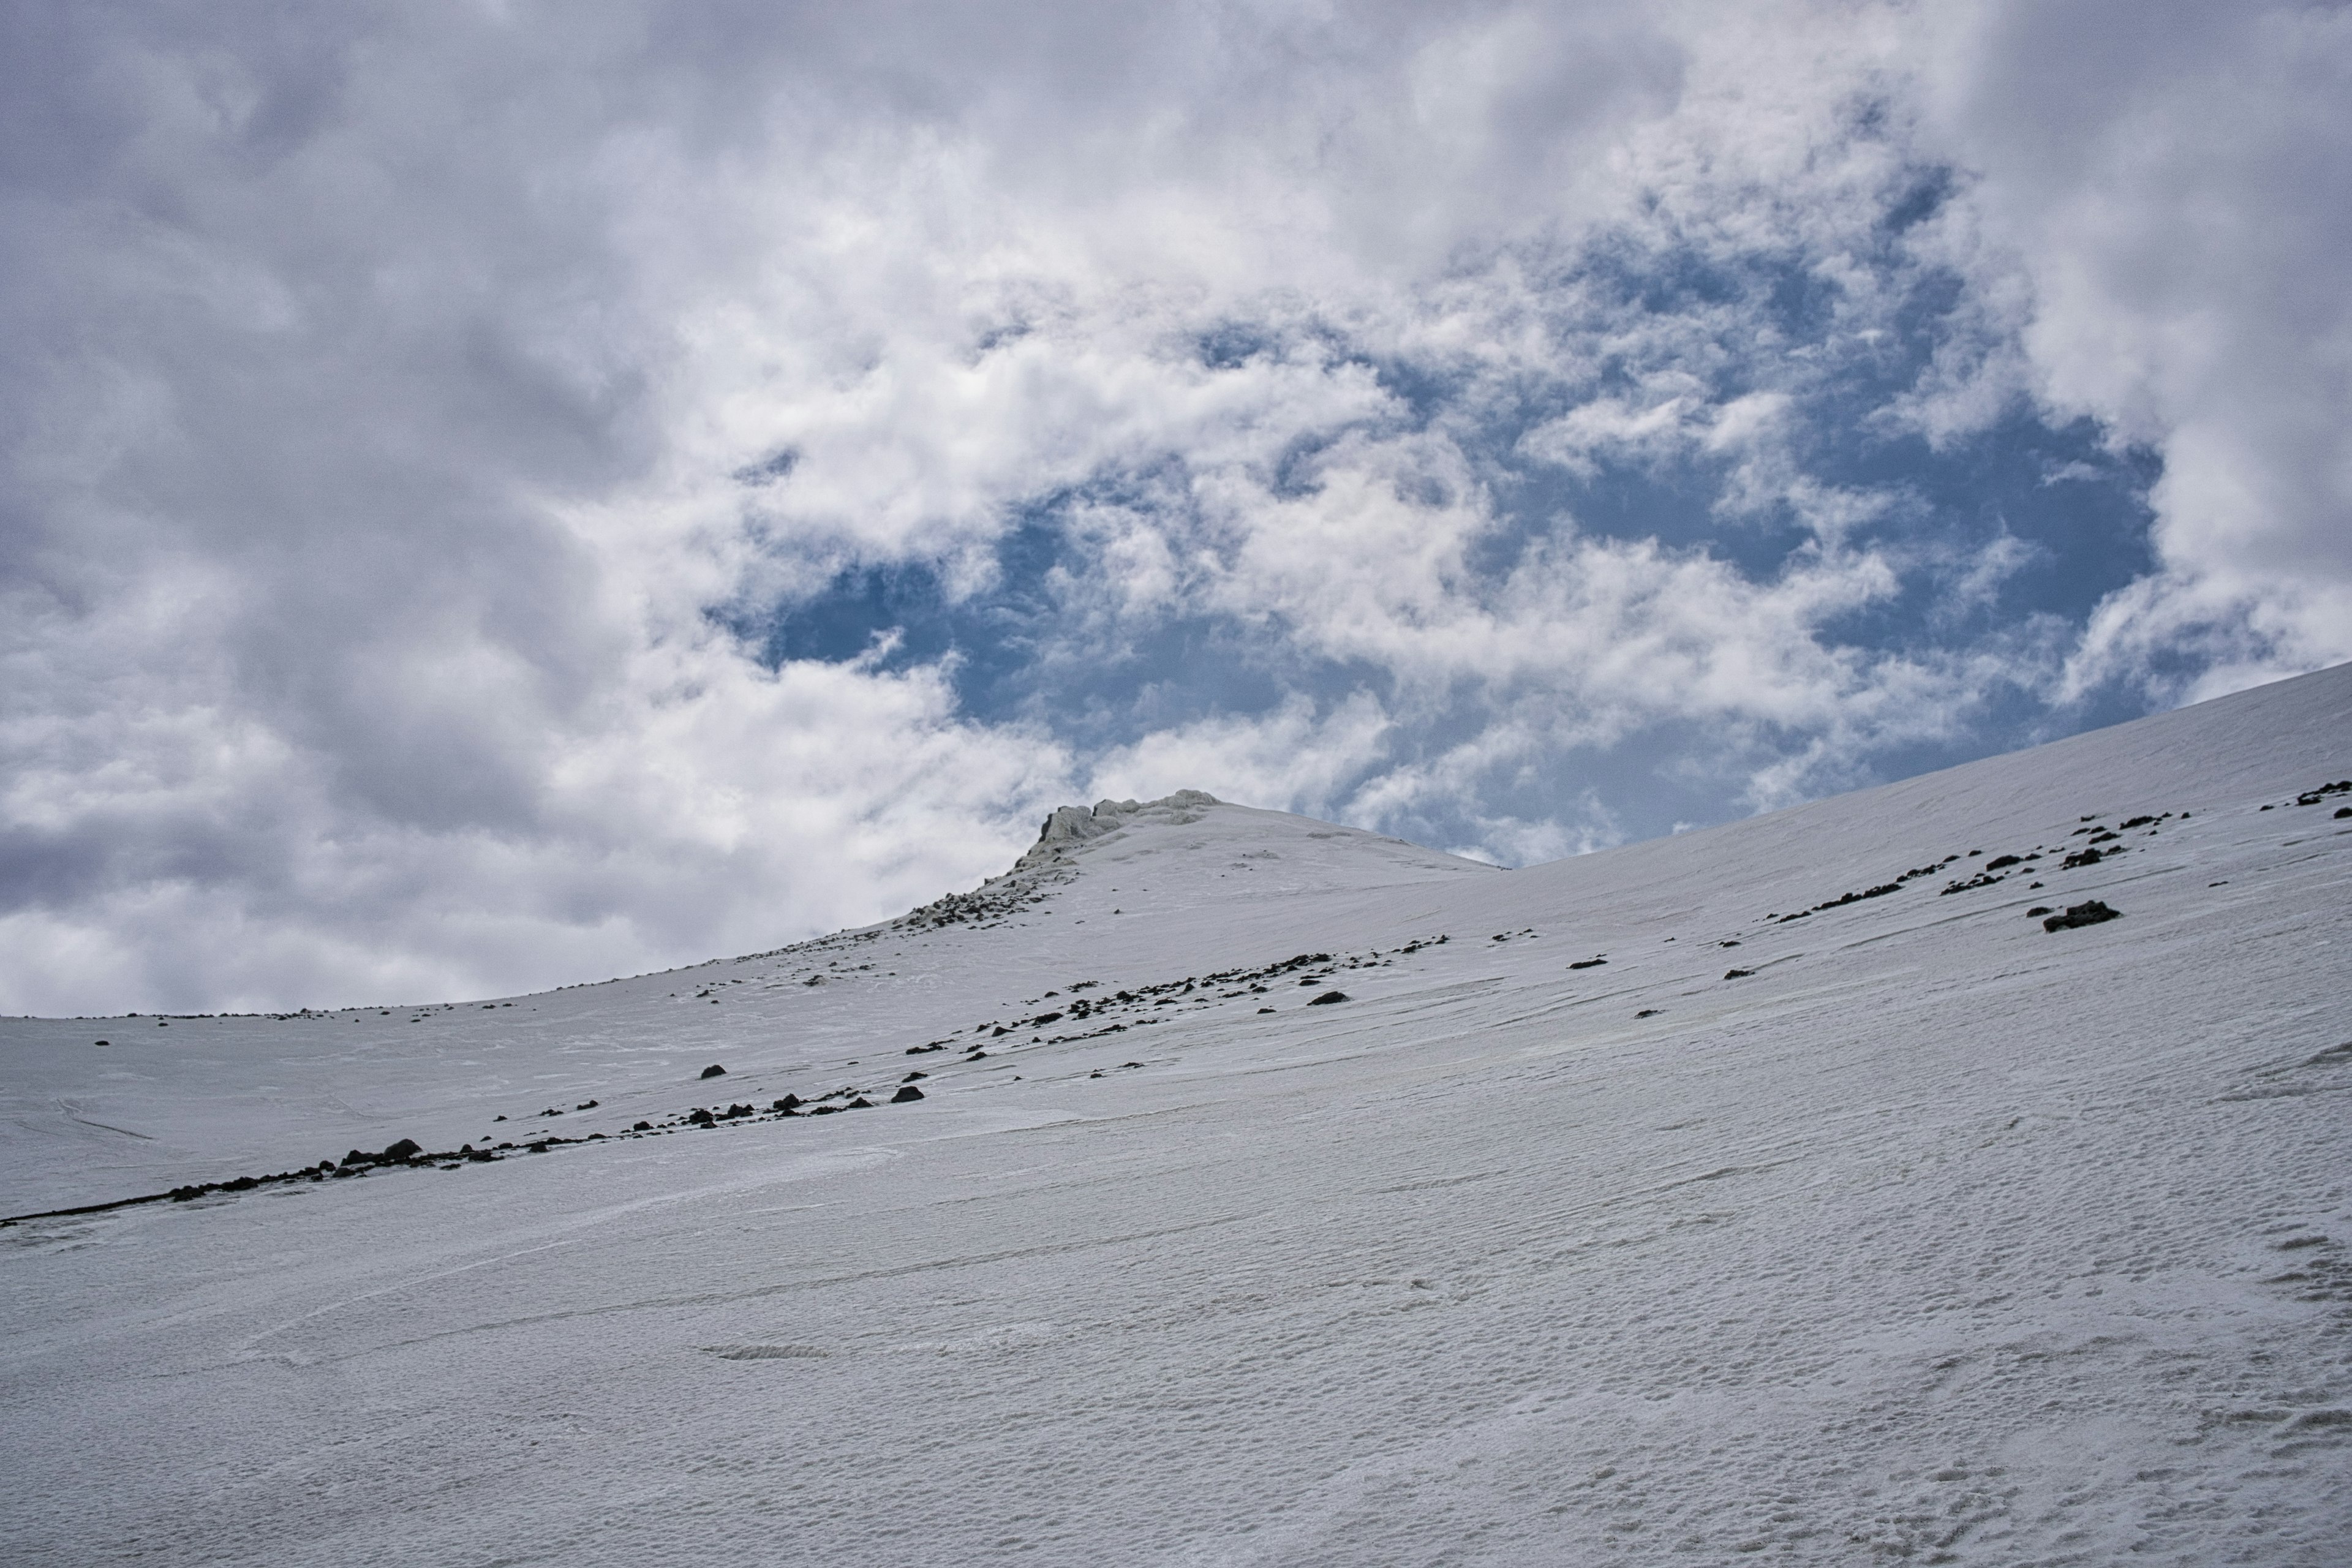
1787	1191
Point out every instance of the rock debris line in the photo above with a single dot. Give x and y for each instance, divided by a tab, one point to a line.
2102	844
1192	991
1046	864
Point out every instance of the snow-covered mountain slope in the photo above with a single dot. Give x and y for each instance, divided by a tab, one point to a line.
1842	1213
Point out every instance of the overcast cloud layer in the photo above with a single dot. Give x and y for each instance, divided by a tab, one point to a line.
496	495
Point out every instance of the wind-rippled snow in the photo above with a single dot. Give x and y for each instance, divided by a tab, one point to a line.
1937	1238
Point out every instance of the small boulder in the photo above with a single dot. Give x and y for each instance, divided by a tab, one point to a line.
1737	973
714	1070
906	1091
700	1117
407	1149
2085	914
1326	998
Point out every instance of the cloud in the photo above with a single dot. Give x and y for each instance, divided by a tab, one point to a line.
2171	188
1523	427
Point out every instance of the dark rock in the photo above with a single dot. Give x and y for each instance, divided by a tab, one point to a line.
585	1105
714	1070
642	1126
1647	1013
2079	860
824	1109
1326	998
2037	911
1737	973
1998	861
2341	811
906	1091
1265	1009
913	1076
407	1149
860	1103
2085	914
102	1042
700	1117
1588	963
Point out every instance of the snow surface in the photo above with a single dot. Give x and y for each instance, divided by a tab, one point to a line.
1936	1237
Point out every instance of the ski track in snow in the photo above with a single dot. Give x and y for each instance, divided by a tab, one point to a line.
1935	1236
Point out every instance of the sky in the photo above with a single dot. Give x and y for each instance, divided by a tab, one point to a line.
496	495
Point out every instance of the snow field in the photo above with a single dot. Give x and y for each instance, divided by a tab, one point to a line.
1938	1237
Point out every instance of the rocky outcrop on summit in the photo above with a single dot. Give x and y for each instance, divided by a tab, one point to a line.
1002	897
1071	826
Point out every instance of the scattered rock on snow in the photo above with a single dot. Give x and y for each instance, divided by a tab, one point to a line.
2082	914
714	1070
1326	998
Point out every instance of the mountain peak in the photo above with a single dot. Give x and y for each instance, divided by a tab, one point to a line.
1070	826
